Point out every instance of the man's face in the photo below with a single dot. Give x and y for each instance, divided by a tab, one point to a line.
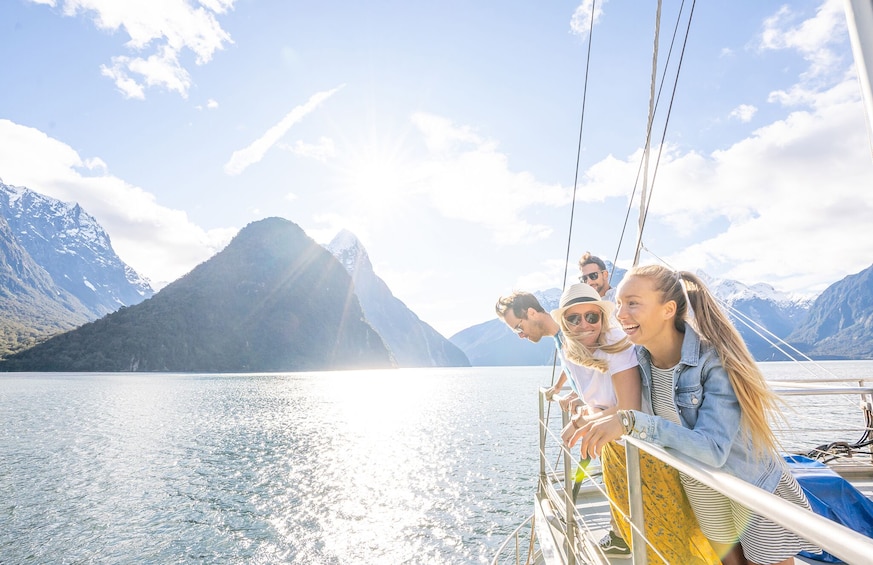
526	328
600	283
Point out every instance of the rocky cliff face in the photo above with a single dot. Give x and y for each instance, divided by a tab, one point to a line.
57	269
413	342
73	249
840	321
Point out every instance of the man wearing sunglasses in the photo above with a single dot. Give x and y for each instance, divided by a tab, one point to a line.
593	272
525	316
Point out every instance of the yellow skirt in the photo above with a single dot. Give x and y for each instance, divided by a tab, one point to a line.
669	521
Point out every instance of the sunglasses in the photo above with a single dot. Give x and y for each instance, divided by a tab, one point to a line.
592	277
576	319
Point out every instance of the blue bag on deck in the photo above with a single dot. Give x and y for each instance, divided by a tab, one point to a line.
833	497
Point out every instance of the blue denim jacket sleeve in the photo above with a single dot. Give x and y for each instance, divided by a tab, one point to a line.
706	403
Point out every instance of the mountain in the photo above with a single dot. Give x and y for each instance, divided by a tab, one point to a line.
413	342
272	300
763	315
57	269
840	321
493	343
73	249
31	305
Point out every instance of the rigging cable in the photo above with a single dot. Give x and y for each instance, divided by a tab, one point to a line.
579	144
575	179
578	159
648	132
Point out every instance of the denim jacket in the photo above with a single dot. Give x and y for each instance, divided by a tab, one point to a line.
710	414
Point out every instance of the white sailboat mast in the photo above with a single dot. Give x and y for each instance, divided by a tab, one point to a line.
859	16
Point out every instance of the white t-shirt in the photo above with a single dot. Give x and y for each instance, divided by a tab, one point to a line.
595	388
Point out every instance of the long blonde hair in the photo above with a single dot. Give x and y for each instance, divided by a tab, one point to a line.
580	354
757	400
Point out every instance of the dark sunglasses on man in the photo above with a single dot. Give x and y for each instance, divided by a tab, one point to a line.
591	276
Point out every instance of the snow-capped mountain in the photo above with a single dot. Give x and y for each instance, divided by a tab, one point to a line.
57	269
763	315
73	249
413	342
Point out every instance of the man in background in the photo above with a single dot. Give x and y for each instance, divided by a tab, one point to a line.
593	272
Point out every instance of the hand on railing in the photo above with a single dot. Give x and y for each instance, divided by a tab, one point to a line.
576	421
595	432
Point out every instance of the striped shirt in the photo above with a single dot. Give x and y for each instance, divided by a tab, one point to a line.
723	520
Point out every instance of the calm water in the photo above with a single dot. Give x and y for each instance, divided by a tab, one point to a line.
405	466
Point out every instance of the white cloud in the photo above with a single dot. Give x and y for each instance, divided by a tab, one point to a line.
812	38
210	105
466	178
791	204
241	159
580	21
795	198
158	242
744	112
161	33
321	151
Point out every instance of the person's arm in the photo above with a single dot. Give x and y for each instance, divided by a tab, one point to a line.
556	388
709	441
628	388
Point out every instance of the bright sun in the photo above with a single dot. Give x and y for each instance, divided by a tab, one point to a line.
378	178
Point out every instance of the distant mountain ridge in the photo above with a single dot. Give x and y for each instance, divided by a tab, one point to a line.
840	321
57	269
272	300
413	342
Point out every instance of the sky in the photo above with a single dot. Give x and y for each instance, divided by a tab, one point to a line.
475	148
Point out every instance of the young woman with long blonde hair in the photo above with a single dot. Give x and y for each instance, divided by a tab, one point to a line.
704	396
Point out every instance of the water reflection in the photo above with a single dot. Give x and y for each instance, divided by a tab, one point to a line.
396	466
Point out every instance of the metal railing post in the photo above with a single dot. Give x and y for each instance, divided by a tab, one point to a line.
635	504
569	476
542	430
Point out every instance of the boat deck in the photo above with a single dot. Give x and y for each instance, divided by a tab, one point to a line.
594	509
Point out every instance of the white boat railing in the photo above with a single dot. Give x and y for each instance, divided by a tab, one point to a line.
517	541
556	482
836	539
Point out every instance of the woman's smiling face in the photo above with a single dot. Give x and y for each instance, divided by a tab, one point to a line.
585	322
639	309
